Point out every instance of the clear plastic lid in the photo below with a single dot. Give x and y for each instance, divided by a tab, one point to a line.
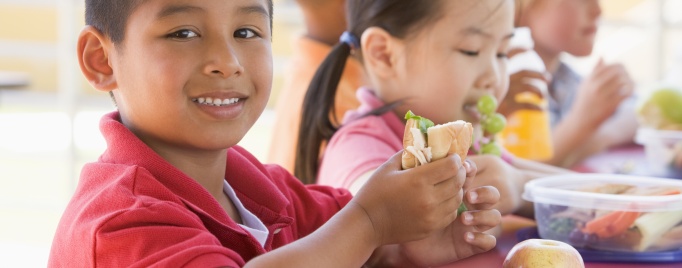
565	190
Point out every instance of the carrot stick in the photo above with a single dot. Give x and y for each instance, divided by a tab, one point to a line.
616	222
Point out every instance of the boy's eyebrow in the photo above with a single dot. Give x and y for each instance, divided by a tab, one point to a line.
478	31
175	9
255	9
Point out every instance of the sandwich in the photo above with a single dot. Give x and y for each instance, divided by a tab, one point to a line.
425	142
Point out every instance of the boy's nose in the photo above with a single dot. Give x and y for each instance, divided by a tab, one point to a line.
223	61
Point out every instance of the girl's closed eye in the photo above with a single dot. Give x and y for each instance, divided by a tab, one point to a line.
183	34
245	33
470	53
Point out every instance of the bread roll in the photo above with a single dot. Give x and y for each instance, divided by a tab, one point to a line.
452	137
441	140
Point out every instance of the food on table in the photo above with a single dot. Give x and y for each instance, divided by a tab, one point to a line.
492	123
626	230
425	142
541	253
661	110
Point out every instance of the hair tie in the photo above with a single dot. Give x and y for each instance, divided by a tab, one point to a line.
350	40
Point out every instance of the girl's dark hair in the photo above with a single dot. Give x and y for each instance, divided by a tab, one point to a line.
399	18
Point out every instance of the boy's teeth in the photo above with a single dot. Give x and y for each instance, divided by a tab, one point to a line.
216	102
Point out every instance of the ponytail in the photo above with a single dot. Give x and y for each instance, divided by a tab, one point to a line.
318	106
397	17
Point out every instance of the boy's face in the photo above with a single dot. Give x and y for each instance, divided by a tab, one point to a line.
194	75
564	25
456	60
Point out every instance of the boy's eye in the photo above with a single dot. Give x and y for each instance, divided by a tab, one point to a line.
245	33
183	34
469	53
503	55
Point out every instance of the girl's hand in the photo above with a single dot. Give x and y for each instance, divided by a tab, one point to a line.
518	83
508	180
600	94
406	205
464	237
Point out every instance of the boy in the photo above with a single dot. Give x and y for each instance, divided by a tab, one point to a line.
172	189
324	21
588	115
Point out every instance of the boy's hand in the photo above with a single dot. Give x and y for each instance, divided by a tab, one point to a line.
464	237
407	205
602	92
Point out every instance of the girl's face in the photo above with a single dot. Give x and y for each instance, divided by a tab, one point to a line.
563	25
447	66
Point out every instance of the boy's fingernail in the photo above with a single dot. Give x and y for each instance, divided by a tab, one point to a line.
467	167
468	217
470	236
473	197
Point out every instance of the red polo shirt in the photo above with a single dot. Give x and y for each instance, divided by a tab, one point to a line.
134	209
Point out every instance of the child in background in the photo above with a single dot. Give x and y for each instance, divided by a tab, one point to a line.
325	20
584	113
436	58
190	78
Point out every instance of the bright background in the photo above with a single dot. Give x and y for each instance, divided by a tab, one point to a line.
48	128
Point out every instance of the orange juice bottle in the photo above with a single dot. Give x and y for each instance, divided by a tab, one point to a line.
528	132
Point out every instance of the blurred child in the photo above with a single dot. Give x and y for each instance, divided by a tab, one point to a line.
325	20
436	58
584	112
190	78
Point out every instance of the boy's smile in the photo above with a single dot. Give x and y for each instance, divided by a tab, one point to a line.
193	75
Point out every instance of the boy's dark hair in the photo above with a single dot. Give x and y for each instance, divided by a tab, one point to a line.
399	18
110	16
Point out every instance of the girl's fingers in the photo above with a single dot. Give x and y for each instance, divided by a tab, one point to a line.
484	197
524	74
482	219
482	241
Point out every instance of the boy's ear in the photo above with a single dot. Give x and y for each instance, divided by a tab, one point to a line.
379	49
93	57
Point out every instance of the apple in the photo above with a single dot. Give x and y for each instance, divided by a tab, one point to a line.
545	253
661	109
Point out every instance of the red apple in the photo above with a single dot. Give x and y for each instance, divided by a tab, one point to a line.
545	253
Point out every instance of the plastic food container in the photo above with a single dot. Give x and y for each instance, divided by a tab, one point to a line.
609	212
663	148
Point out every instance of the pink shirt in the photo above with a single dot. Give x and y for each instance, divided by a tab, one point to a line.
362	144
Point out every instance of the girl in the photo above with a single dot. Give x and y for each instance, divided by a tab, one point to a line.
436	58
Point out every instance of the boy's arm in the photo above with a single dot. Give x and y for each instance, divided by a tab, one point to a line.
346	240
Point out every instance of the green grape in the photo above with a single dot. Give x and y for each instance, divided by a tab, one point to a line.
494	124
462	208
491	148
487	105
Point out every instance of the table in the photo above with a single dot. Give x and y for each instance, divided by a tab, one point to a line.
510	225
629	159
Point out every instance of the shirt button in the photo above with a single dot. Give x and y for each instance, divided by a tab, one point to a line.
277	231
